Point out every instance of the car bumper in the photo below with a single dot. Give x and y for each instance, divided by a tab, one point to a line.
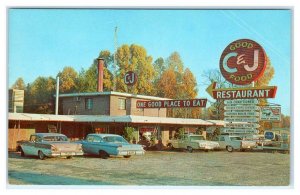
210	148
129	152
58	154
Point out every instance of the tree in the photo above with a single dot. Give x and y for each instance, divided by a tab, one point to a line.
67	80
87	80
216	110
267	76
166	84
134	58
174	62
159	67
189	85
39	96
19	84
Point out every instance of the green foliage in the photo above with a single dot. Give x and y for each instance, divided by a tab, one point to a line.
129	134
39	96
199	130
181	132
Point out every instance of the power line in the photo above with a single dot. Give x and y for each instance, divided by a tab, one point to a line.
251	30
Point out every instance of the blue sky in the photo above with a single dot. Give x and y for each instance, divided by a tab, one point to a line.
43	41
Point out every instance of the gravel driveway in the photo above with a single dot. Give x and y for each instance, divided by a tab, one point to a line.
155	168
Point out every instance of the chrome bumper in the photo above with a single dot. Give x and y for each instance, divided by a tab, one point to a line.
129	152
57	154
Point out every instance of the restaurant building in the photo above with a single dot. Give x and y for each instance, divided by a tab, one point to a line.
103	112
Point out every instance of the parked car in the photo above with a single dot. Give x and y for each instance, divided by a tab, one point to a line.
231	143
105	145
50	145
193	142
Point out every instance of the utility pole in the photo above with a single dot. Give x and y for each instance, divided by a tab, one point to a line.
115	61
57	96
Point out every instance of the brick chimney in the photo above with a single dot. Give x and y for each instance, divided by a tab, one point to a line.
100	75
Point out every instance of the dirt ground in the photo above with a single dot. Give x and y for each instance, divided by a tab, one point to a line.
155	168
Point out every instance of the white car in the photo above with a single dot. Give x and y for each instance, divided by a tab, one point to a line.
50	145
193	142
231	143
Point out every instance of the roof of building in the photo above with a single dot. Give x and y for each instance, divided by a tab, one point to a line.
111	119
48	134
113	93
38	117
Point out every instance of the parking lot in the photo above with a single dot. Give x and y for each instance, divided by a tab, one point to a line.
155	168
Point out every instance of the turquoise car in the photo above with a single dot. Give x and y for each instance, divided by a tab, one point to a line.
106	145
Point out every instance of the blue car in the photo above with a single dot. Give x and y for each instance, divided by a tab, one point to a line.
105	145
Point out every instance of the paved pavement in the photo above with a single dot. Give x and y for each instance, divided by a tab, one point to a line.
155	168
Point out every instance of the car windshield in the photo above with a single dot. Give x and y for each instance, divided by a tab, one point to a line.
55	138
196	138
115	139
235	138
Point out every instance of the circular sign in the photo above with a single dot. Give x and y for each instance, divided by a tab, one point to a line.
130	78
243	61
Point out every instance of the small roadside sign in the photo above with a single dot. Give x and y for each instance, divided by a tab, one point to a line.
270	113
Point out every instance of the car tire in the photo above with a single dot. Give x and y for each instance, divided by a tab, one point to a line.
229	148
170	146
69	157
41	155
22	152
103	154
189	149
127	156
19	149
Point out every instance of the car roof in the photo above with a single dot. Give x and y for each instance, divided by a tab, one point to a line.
48	134
104	134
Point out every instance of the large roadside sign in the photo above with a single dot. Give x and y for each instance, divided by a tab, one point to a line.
269	113
242	93
245	93
243	61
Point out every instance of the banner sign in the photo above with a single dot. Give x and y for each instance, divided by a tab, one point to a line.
245	93
270	113
243	61
244	108
172	103
241	125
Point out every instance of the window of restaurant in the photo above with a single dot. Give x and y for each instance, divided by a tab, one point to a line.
122	104
88	103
